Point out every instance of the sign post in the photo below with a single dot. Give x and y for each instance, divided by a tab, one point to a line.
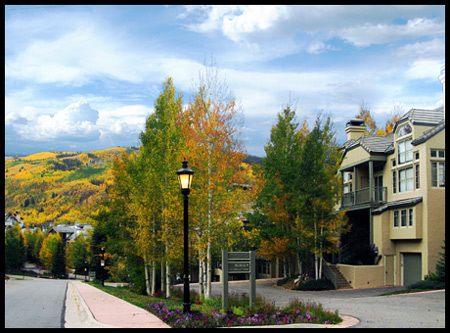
235	263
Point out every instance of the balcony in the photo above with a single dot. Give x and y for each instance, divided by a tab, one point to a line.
363	196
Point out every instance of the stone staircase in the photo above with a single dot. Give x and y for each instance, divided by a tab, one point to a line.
341	281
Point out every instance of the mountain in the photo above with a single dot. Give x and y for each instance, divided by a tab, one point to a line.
58	187
64	187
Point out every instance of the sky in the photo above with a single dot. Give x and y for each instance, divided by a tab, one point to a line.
85	78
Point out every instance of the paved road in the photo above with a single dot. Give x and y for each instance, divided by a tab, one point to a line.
407	310
35	303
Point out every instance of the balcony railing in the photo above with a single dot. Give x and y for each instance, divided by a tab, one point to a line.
362	196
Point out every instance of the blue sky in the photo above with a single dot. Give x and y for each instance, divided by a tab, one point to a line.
82	78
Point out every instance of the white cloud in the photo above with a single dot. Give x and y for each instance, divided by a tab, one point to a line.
424	69
319	47
428	49
369	33
252	25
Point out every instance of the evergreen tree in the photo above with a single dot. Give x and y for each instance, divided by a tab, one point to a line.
319	226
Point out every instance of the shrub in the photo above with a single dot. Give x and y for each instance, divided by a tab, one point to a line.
427	284
286	280
315	285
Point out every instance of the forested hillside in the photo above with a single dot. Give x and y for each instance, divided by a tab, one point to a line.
61	187
58	187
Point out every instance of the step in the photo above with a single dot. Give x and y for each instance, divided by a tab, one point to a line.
341	280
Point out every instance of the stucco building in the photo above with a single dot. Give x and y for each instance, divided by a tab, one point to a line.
394	194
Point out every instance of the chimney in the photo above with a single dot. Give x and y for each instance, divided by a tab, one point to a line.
355	128
442	79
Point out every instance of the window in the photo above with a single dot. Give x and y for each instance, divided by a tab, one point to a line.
404	151
347	176
417	176
394	181
437	153
395	218
404	130
438	174
403	216
405	180
416	155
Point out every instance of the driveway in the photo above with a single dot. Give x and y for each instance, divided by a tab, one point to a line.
426	309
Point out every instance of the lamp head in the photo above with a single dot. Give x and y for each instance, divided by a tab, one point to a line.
185	178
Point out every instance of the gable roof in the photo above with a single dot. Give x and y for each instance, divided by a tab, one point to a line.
429	133
421	117
371	144
384	145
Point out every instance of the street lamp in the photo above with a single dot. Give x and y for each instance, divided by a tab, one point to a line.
185	180
102	264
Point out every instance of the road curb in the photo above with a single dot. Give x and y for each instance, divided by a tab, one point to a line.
85	318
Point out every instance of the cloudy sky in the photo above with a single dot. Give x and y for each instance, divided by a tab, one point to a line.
82	78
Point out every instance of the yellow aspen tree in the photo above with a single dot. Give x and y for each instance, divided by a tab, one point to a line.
215	154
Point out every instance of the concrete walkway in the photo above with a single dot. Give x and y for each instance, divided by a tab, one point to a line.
89	307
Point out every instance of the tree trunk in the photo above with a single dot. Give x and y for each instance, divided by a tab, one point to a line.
168	291
163	278
153	290
147	277
208	250
299	261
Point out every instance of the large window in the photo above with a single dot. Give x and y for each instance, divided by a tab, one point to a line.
405	180
437	167
405	151
438	174
403	218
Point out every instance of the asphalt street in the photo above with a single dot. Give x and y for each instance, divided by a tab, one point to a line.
418	310
34	303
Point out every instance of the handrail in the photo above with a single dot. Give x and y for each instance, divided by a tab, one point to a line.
330	275
363	196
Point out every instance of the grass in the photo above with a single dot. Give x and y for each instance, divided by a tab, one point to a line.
208	313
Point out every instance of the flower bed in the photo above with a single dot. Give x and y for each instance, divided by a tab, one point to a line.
177	319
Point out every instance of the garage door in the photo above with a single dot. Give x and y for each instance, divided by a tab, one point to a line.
412	268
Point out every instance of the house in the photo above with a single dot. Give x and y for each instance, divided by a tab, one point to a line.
394	194
11	219
70	232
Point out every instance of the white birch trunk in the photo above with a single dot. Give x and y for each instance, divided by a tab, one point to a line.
147	276
153	290
168	291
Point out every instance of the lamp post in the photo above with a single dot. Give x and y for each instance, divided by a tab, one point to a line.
102	264
185	180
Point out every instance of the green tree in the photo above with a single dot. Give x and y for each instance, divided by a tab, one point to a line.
215	151
277	197
319	226
77	253
52	255
14	248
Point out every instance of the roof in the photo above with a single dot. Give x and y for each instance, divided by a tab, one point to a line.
397	204
385	144
422	117
372	144
429	133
